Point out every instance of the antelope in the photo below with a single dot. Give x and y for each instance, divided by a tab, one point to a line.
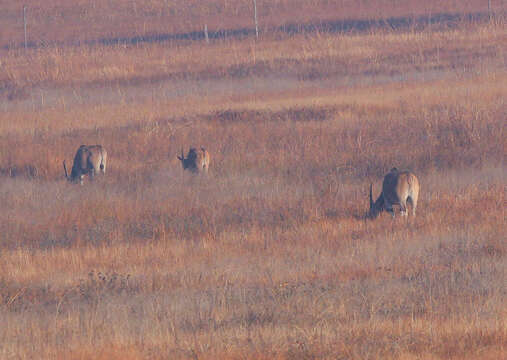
89	160
398	188
196	161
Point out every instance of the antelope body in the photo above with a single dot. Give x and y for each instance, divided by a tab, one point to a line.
196	160
89	160
398	188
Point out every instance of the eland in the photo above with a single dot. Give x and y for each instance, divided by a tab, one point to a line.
398	188
196	161
89	160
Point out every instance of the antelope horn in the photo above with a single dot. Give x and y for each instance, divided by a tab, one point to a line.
65	169
371	196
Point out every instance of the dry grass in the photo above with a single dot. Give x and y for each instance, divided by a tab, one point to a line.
269	256
92	21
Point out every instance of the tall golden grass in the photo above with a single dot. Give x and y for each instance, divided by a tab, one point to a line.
269	255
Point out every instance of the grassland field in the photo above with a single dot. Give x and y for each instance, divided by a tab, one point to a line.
269	256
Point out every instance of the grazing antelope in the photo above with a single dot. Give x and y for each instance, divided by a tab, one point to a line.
89	160
398	188
196	161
